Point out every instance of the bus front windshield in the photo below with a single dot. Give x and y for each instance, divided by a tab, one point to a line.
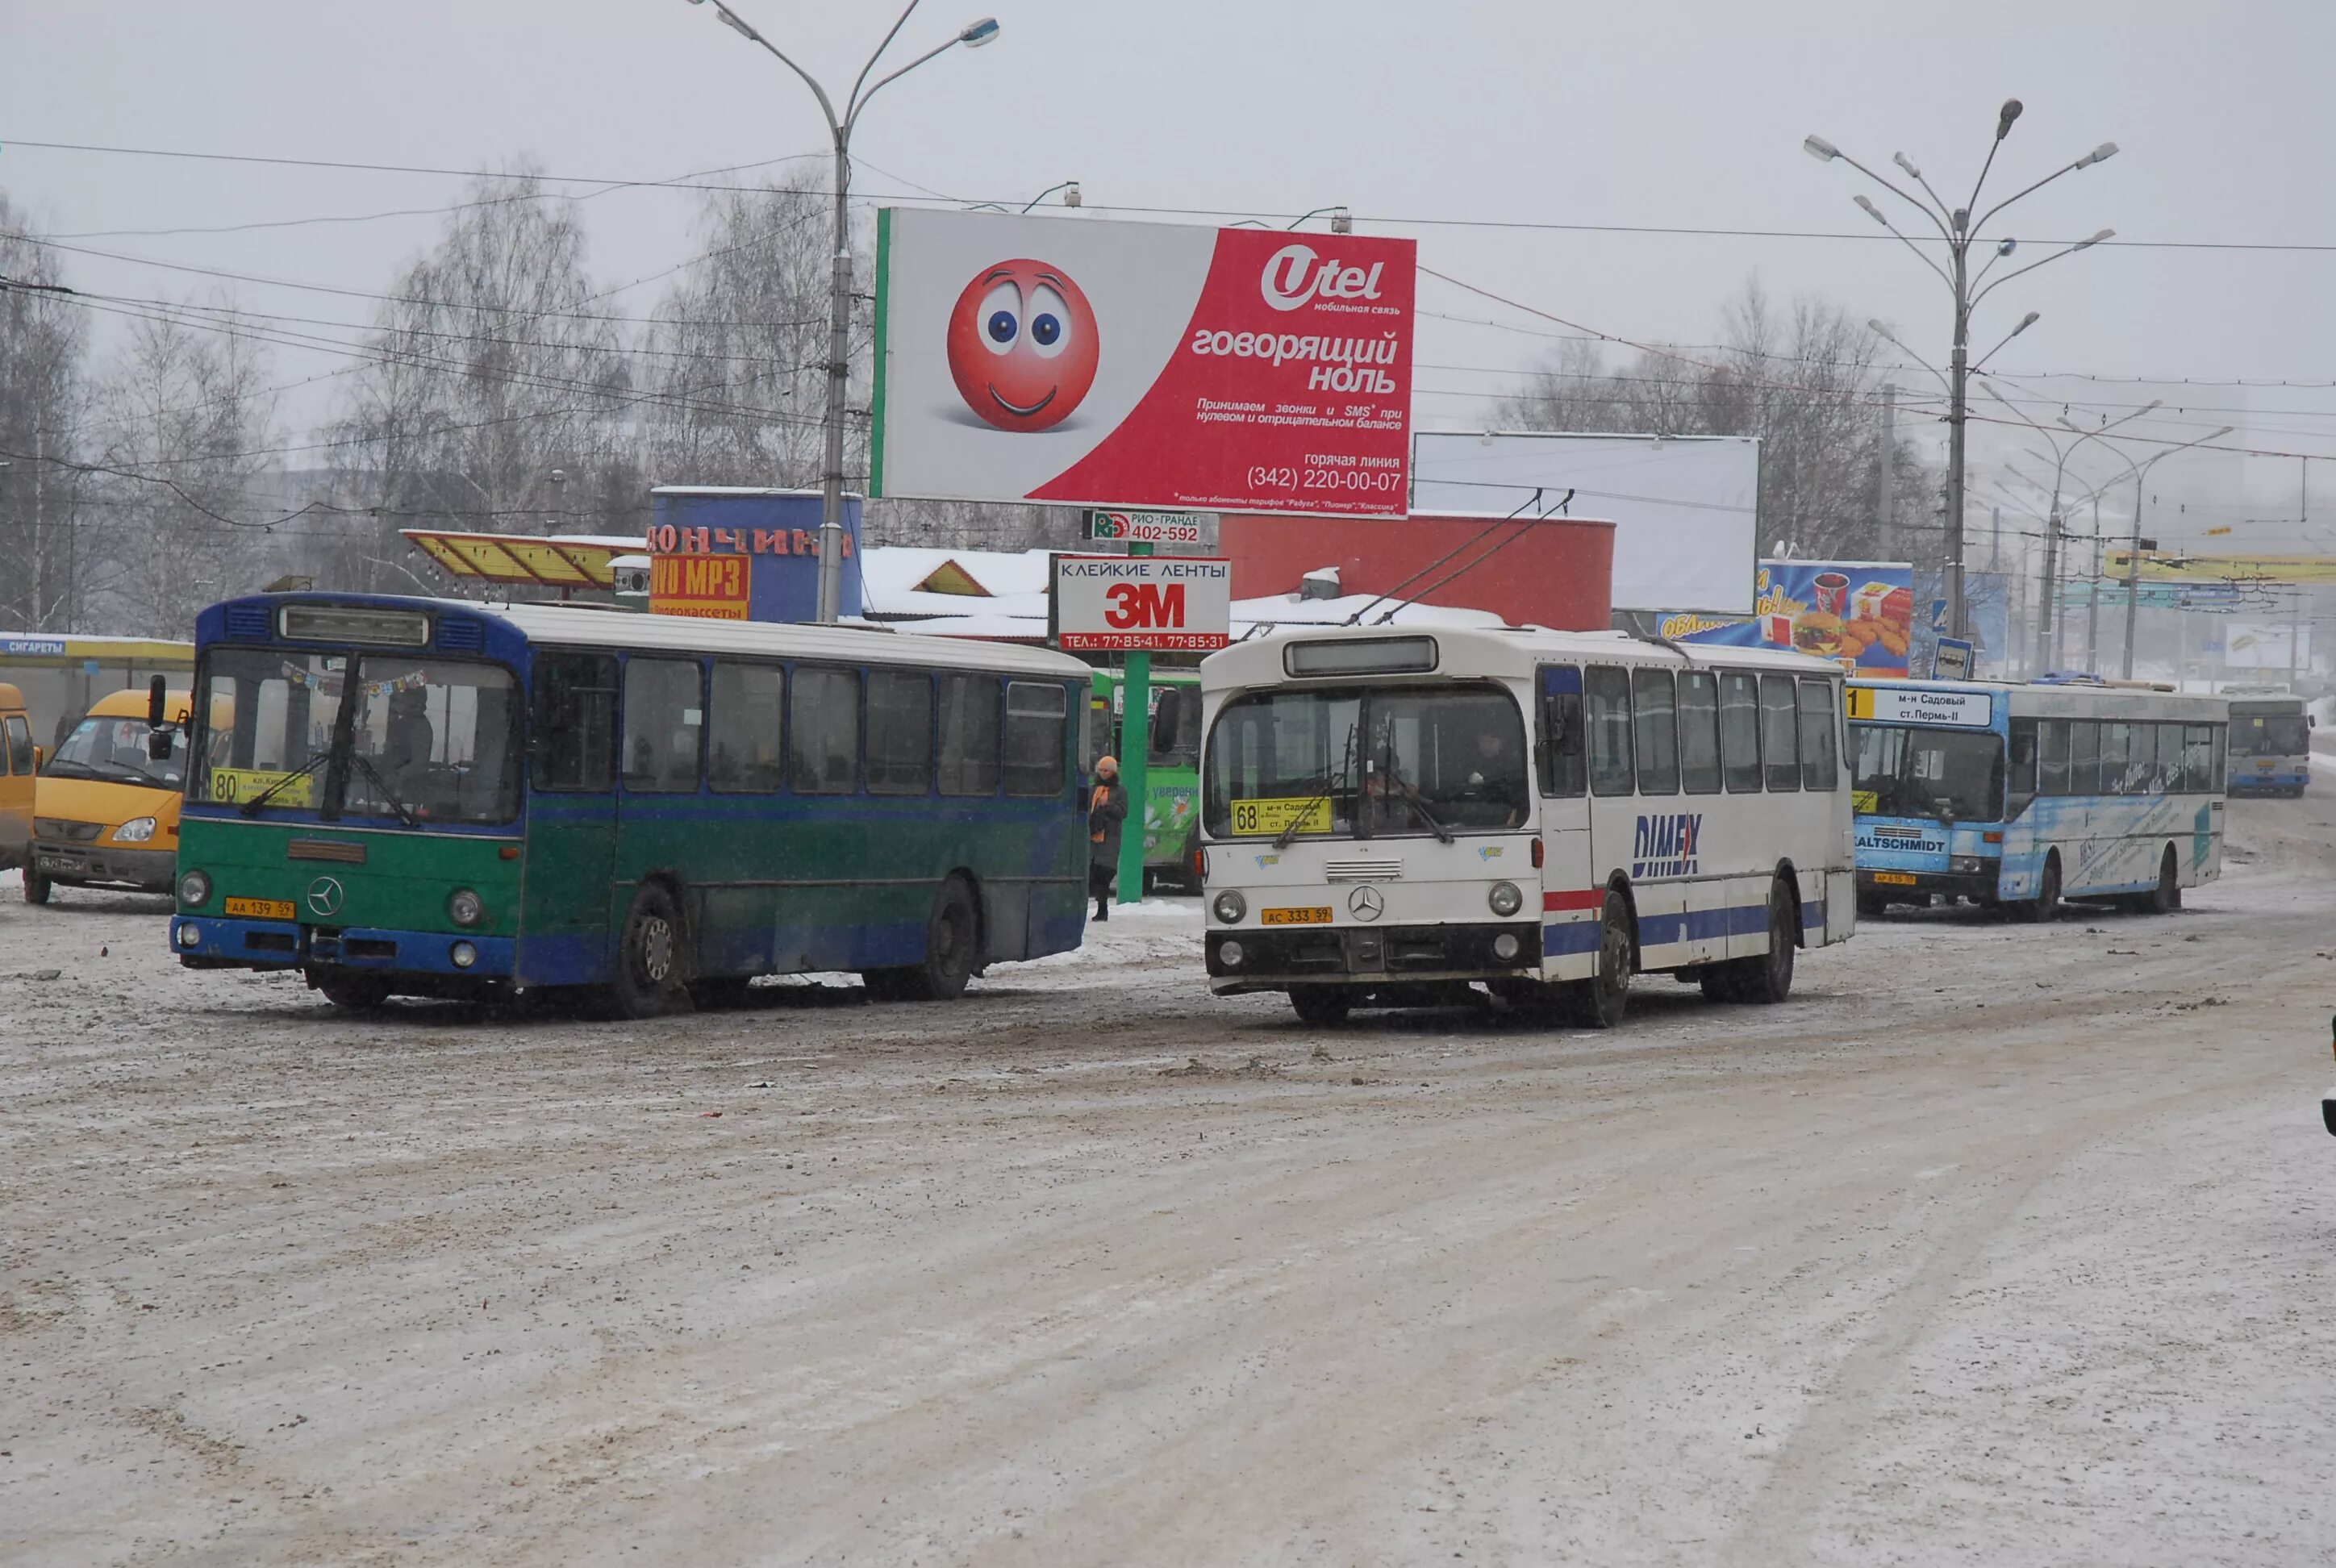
2269	734
425	740
1414	761
1940	774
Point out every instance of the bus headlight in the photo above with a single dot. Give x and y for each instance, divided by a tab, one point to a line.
463	908
1504	947
1967	864
1505	901
194	889
1229	954
1230	907
464	954
136	831
190	935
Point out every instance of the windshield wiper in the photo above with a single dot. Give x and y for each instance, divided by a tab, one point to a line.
1434	824
252	806
404	813
1324	787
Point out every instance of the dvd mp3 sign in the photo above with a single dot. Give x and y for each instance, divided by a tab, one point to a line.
1137	602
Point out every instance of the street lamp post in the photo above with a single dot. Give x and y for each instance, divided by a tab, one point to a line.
839	304
2046	637
1957	227
2140	472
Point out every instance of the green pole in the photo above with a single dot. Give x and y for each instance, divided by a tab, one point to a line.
1136	744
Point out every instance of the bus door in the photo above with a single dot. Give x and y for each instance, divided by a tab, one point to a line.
571	820
1570	898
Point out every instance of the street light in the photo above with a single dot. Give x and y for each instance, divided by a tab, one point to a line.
1342	221
973	35
2140	472
1959	231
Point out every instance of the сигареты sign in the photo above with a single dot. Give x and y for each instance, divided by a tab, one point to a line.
1135	602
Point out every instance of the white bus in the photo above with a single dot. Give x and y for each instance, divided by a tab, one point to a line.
2018	796
1395	819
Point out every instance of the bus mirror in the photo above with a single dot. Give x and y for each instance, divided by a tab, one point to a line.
158	745
158	698
1164	722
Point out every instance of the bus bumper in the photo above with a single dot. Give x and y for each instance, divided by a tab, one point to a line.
203	941
1978	886
1264	960
150	871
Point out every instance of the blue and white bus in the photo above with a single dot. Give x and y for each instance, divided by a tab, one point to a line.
2022	795
2270	743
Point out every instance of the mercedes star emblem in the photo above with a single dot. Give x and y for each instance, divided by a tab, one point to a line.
324	896
1364	903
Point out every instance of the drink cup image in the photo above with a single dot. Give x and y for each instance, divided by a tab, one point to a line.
1833	593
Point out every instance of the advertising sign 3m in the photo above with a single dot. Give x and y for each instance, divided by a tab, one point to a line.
1140	365
1135	602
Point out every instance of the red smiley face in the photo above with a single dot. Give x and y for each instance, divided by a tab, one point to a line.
1022	344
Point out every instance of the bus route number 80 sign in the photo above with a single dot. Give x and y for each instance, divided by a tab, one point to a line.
1135	602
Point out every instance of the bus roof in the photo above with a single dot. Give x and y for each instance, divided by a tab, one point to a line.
575	625
1501	651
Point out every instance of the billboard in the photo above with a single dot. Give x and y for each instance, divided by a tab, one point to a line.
1135	602
1685	508
1858	613
1141	364
725	554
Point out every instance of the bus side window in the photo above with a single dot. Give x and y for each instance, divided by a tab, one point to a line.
2221	757
1820	767
2169	759
2141	770
1606	714
1562	759
2020	786
2197	759
899	731
1698	731
1652	699
20	746
664	713
1779	735
1739	731
744	727
575	722
2052	756
1036	726
823	732
2084	756
2117	756
970	735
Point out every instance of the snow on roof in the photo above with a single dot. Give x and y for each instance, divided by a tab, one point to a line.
890	571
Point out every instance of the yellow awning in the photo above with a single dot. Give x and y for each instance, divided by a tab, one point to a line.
2174	566
546	561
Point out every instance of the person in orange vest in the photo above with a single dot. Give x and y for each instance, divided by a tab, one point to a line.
1106	810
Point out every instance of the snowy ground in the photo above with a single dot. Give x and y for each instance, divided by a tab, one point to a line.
1999	1244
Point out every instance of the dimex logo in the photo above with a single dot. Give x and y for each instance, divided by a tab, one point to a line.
1022	344
1292	278
1667	845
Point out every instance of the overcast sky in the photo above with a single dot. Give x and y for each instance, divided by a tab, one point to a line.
1674	113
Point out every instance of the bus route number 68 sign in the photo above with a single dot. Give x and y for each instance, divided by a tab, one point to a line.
1137	602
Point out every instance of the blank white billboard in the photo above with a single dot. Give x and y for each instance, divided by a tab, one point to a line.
1685	508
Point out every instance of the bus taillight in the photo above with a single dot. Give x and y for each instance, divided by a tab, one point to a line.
1536	854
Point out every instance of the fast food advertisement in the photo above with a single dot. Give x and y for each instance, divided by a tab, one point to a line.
1860	614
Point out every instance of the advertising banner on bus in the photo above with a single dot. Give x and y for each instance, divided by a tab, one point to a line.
1141	364
1134	602
1858	613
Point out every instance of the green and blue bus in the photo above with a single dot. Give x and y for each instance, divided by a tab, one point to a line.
2020	795
1172	766
431	798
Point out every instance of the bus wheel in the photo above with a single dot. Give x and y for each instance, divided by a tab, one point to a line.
1769	977
1600	1002
37	887
2167	897
1325	1004
951	937
2046	905
650	958
356	993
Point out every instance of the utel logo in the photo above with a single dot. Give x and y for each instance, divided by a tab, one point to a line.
1292	278
1667	845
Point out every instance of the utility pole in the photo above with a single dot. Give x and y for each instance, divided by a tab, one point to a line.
1886	530
2093	597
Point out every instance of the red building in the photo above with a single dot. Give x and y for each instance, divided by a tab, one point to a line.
1552	571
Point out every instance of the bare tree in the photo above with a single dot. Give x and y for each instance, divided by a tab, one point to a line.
42	345
500	397
183	422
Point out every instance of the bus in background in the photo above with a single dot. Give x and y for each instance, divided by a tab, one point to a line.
434	798
2020	796
2270	743
105	810
20	760
1394	820
1172	778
